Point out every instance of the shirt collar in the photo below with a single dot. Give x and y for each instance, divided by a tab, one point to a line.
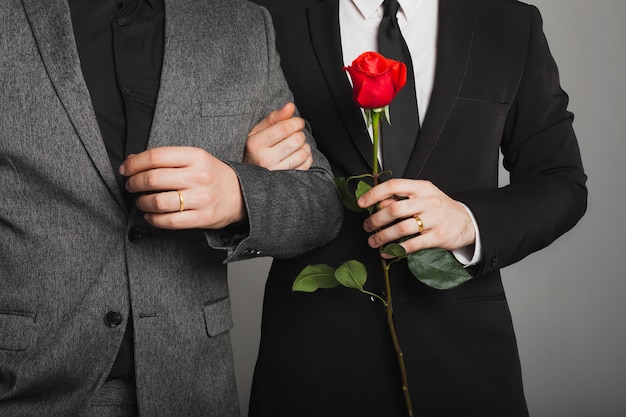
369	8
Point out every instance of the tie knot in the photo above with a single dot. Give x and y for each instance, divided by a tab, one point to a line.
390	8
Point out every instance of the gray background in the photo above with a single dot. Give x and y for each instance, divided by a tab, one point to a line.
568	300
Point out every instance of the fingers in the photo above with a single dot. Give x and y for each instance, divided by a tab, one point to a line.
397	187
167	168
391	211
445	223
292	153
158	179
168	210
164	157
274	117
401	229
307	164
276	134
166	202
173	221
184	188
281	145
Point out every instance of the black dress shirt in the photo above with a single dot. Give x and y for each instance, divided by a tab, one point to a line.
120	45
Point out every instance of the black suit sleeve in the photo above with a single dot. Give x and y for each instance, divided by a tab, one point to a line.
547	193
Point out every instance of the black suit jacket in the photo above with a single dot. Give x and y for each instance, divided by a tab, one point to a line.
496	89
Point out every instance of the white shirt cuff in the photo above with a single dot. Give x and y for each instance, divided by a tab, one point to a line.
472	254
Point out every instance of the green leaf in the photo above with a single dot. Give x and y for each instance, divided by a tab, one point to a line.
394	249
348	198
352	274
361	188
313	277
437	268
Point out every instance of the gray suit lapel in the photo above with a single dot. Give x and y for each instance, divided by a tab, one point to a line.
173	74
51	24
167	87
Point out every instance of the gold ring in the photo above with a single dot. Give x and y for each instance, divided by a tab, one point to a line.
420	223
181	200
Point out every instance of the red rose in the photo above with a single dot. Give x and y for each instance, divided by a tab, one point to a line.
375	79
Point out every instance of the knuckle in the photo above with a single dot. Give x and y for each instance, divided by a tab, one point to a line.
426	183
301	155
140	202
203	177
300	139
289	144
395	209
154	156
436	202
172	221
251	145
151	179
405	227
297	123
411	245
260	159
285	129
264	162
159	202
411	205
394	184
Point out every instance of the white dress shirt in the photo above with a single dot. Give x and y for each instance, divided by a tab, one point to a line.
359	20
358	24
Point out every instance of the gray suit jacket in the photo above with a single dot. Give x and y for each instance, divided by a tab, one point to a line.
70	252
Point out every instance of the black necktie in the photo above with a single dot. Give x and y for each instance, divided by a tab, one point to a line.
398	138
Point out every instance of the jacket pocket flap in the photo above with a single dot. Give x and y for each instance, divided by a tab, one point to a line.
480	106
217	316
17	330
227	108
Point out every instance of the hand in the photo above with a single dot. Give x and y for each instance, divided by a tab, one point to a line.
210	188
278	142
446	223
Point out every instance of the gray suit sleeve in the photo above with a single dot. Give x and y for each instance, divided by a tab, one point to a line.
289	212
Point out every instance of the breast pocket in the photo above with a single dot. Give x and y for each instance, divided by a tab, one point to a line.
476	124
17	330
227	124
469	144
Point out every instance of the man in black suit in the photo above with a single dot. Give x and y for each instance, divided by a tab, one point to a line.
485	83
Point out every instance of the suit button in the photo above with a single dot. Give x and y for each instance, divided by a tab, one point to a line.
134	235
113	319
494	261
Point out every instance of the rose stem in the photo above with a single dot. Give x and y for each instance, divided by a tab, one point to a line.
389	307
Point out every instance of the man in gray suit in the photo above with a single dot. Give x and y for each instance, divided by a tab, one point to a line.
123	124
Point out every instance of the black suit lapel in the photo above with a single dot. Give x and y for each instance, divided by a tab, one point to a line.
326	39
456	29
